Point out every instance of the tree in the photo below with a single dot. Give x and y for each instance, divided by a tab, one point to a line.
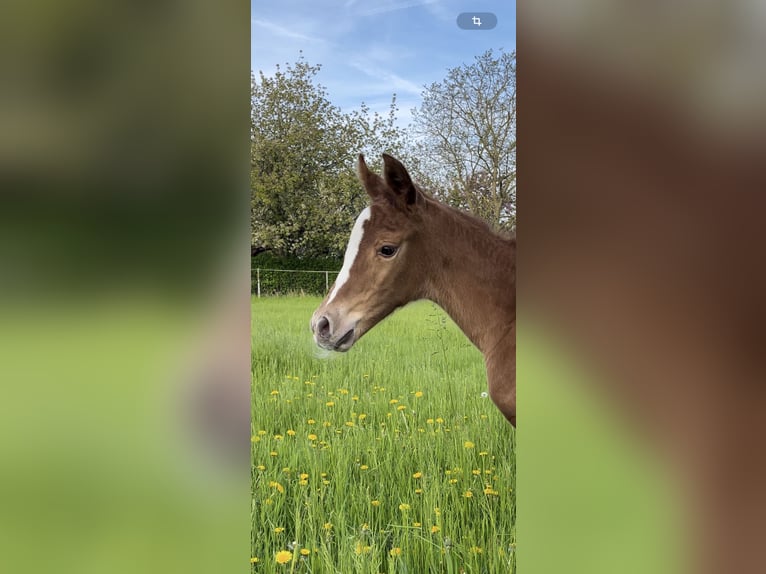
467	137
304	192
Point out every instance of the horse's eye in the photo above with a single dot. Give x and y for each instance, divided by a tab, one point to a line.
387	251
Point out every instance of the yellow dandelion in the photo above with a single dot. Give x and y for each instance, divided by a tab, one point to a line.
329	404
279	530
327	424
261	467
261	433
417	475
437	511
364	467
476	550
278	437
312	437
327	526
430	421
283	556
468	494
418	394
361	548
476	472
325	482
468	444
350	423
275	392
362	416
305	551
304	476
355	398
416	524
269	501
255	439
254	560
343	391
439	420
453	480
279	487
404	507
375	502
303	482
418	491
396	551
290	432
400	408
483	453
393	401
435	529
311	421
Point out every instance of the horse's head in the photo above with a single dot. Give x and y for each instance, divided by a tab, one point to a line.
383	267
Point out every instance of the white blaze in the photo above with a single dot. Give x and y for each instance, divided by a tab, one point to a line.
351	251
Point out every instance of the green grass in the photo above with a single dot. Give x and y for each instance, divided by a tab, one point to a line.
401	420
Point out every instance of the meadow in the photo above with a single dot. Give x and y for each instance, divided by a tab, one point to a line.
389	458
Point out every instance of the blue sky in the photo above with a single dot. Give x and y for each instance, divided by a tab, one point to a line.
370	49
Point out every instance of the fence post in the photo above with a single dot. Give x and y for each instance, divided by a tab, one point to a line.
258	280
326	281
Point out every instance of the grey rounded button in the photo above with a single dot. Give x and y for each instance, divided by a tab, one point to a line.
476	20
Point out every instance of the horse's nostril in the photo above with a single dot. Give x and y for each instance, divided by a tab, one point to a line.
323	327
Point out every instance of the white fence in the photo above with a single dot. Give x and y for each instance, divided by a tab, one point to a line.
283	281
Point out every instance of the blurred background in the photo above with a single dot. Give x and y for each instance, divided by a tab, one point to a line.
640	354
124	286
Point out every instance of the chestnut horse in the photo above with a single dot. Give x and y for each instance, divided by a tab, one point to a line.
407	246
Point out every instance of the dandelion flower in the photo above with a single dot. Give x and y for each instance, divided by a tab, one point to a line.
364	467
430	421
404	507
327	526
468	444
279	530
435	529
375	502
254	560
401	408
329	404
275	392
418	394
305	551
393	401
283	556
396	551
476	550
416	524
417	475
312	437
468	494
476	472
362	416
437	511
290	432
439	420
310	421
418	491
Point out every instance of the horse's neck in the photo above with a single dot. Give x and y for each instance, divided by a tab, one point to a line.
472	276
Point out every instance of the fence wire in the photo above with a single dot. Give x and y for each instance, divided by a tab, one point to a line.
267	282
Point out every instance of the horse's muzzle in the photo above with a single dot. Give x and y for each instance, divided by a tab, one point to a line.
331	339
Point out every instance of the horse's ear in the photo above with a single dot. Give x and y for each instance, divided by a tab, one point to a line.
372	182
398	180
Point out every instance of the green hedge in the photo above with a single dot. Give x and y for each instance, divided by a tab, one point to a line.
284	282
